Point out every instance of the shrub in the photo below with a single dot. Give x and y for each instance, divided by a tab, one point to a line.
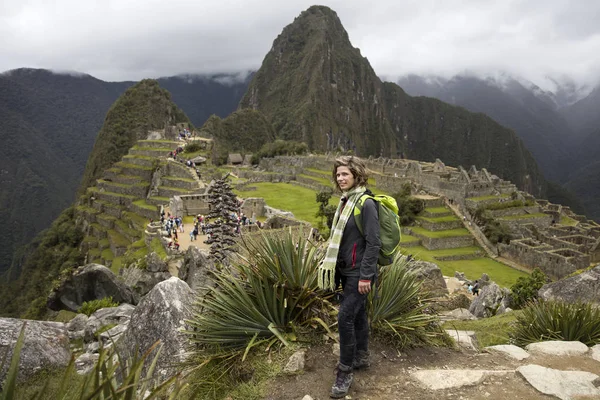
408	206
192	147
558	320
90	307
397	308
497	232
280	148
526	288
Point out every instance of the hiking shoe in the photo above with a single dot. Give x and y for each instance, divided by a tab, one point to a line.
342	383
361	361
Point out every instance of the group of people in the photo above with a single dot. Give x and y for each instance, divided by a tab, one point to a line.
473	288
173	154
171	225
185	134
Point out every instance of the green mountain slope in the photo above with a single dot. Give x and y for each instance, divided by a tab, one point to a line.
315	87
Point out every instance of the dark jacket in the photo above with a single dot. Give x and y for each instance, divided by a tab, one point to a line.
358	254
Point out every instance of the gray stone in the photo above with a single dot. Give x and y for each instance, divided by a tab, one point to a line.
107	316
336	349
296	362
438	379
155	263
307	397
488	302
113	333
460	314
463	338
75	335
595	352
90	282
195	270
45	345
584	287
565	385
160	316
510	350
77	323
430	275
85	363
461	276
92	347
558	348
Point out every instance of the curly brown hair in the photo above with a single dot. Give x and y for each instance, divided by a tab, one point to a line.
355	165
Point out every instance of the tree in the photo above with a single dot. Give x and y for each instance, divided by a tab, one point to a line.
326	211
224	207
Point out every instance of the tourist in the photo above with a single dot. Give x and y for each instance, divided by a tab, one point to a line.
351	260
475	288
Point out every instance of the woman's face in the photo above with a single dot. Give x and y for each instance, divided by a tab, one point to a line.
344	178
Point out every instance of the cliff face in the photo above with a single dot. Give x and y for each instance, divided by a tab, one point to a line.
316	88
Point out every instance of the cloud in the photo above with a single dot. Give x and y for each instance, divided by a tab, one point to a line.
134	39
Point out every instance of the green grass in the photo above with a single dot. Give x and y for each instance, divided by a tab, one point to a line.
116	265
194	154
323	181
158	248
408	239
135	218
107	254
142	203
524	216
118	239
326	174
564	220
284	196
174	178
437	210
503	275
103	243
488	331
166	150
483	198
441	234
449	218
94	252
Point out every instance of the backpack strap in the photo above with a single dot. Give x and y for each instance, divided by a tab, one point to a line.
358	208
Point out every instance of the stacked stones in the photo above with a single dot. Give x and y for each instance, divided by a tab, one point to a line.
224	207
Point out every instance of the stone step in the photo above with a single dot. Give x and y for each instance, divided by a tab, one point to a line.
153	152
143	208
124	229
134	220
179	170
440	224
107	221
103	244
88	213
158	201
138	170
144	161
137	189
441	239
167	191
118	242
114	198
436	212
159	144
108	208
181	183
97	230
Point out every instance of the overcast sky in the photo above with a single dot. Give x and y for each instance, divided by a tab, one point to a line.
133	39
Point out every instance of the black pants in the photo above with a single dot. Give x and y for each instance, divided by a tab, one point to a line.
353	324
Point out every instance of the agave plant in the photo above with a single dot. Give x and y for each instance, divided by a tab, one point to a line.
557	320
397	308
264	297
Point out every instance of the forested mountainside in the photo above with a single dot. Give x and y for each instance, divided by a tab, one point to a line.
316	88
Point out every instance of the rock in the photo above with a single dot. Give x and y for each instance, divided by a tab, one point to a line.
488	302
76	335
584	287
430	275
460	314
107	316
113	333
510	350
454	285
336	349
90	282
461	276
296	362
565	385
85	363
45	345
558	348
307	397
195	270
160	316
77	323
595	352
438	379
463	338
155	263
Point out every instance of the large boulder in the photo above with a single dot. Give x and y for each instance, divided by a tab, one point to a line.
46	345
143	280
584	287
196	268
90	282
160	315
431	276
491	299
104	317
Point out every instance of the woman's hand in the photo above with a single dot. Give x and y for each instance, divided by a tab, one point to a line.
364	287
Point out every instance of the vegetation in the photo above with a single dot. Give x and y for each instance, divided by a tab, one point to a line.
326	212
279	148
497	232
53	253
558	320
408	206
526	288
507	204
90	307
142	108
489	331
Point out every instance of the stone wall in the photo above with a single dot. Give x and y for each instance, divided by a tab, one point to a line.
254	207
538	222
514	211
192	204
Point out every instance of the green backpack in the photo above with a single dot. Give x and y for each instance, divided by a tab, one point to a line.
389	225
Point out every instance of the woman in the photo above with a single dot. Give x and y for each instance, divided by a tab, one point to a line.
351	260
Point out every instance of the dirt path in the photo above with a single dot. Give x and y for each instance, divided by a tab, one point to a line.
390	376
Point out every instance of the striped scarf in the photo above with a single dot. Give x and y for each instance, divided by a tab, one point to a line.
342	214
